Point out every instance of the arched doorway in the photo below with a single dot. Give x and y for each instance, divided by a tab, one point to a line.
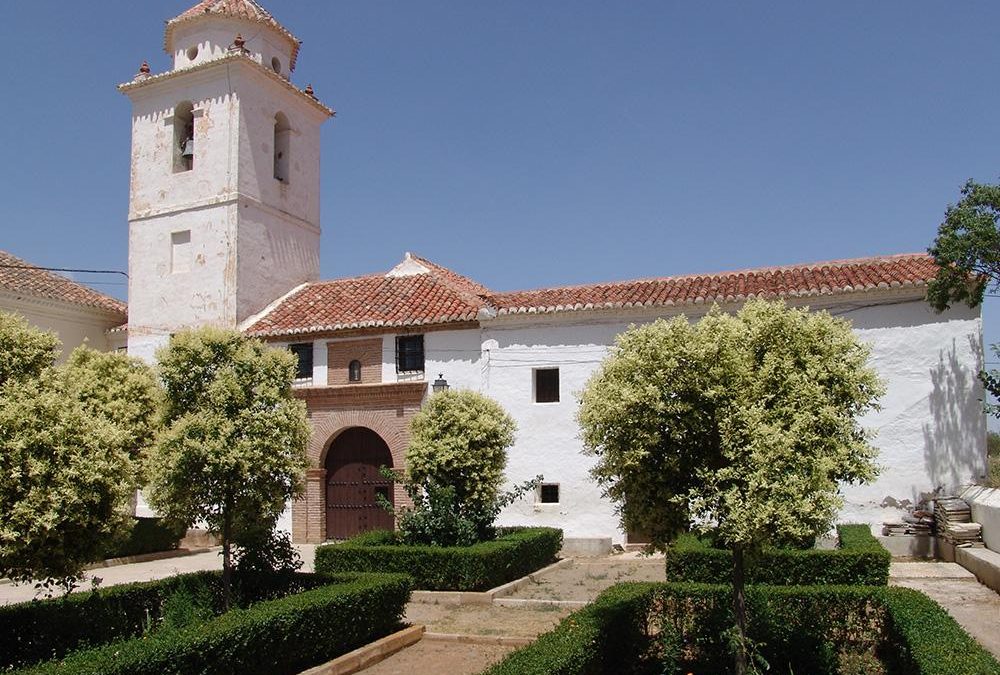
353	481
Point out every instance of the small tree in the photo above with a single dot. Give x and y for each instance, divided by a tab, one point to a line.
233	451
967	249
455	466
24	351
119	389
745	424
66	453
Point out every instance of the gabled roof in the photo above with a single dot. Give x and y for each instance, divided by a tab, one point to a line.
248	10
23	278
793	281
418	292
414	293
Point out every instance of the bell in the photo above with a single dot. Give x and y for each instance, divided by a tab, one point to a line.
188	148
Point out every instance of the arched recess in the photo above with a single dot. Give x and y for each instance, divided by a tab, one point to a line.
354	484
282	147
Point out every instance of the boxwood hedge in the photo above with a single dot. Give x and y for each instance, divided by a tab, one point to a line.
513	554
859	559
148	535
43	630
797	629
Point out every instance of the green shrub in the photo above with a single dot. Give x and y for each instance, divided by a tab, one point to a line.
596	639
818	630
40	630
513	554
860	559
274	637
148	535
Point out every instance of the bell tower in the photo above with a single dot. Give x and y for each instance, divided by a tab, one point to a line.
224	192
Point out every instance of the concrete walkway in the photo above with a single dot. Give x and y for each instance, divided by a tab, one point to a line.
144	571
974	606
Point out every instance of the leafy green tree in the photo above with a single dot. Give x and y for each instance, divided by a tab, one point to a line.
121	390
66	453
233	451
459	439
744	424
967	249
24	351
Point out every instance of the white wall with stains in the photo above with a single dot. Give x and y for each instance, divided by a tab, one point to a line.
217	243
930	429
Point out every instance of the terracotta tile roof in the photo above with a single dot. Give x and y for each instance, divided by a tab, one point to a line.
433	296
815	279
248	10
23	278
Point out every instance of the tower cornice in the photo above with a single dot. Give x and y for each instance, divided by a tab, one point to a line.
236	58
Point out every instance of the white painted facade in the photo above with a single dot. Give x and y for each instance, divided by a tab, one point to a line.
930	429
74	324
216	242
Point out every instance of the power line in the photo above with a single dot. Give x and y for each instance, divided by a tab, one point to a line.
62	269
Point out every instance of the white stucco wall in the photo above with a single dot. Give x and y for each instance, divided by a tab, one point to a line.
74	324
930	430
213	35
252	237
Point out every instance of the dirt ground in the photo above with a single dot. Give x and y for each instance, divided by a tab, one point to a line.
442	658
587	577
485	620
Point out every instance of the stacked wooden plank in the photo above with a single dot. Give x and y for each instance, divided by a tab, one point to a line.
953	519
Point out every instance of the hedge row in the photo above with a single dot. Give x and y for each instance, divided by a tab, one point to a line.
513	554
798	629
148	535
860	559
40	630
600	638
273	637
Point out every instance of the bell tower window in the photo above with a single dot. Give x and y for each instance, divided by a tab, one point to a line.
282	141
183	154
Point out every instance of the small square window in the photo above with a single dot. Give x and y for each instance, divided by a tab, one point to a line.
180	251
410	354
304	354
549	493
547	385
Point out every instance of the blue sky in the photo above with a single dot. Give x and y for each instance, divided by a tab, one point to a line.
546	143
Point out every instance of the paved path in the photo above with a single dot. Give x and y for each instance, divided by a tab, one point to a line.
145	571
974	606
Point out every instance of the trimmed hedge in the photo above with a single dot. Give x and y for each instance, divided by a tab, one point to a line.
599	638
860	559
513	554
272	637
798	629
40	630
148	535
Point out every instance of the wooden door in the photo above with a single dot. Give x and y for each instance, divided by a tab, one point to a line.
353	481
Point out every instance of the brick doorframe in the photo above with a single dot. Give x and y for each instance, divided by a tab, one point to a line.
386	409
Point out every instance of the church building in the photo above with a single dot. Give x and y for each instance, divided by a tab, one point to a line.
224	229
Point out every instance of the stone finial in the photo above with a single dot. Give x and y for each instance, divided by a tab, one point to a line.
309	91
239	45
143	71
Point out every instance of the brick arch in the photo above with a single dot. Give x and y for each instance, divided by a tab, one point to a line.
386	409
332	424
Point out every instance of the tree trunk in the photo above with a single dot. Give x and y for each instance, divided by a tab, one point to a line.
739	611
227	559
